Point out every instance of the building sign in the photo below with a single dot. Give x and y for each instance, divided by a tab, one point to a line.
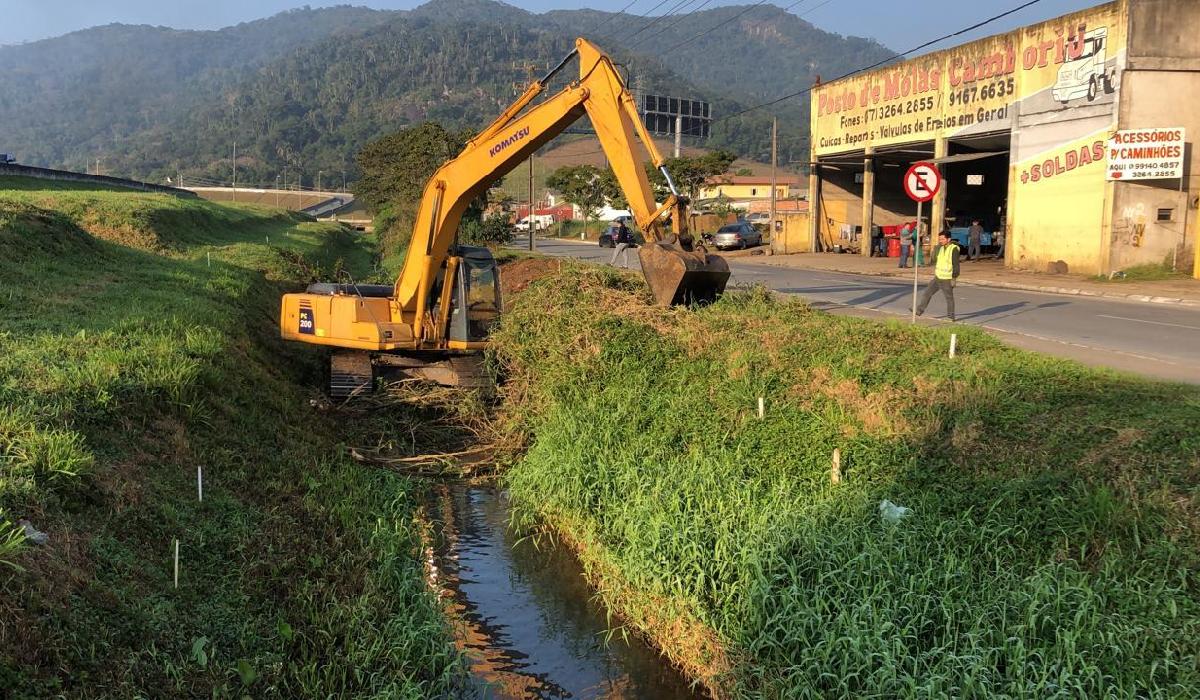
660	115
971	89
1146	154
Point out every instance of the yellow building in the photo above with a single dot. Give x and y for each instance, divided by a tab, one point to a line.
1039	134
748	187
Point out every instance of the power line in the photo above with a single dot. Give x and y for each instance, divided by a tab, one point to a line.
715	27
813	9
674	7
672	24
608	19
652	9
927	44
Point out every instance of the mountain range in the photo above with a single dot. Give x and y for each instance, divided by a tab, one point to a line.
304	90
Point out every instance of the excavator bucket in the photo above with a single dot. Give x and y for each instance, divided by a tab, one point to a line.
678	276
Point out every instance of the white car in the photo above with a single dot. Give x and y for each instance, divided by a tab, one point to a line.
1086	76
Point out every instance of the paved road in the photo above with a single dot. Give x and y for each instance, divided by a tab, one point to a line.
1156	340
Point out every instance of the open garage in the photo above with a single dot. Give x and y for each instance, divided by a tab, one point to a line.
1026	128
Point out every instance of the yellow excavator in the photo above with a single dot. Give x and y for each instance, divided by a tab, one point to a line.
435	320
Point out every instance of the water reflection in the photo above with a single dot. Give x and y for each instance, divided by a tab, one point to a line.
533	628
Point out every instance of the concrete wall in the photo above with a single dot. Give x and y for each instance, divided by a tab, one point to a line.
793	238
1160	88
18	170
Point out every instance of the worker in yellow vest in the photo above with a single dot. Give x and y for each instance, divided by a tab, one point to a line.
945	272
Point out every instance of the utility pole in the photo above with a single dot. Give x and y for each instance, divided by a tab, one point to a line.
774	163
319	179
678	132
277	190
531	204
343	181
235	171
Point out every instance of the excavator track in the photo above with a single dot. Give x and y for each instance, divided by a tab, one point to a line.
351	373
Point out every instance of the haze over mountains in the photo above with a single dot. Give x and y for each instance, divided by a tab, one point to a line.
304	90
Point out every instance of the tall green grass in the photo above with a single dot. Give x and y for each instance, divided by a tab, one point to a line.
124	367
1052	545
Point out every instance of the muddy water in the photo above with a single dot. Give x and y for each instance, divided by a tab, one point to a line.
533	628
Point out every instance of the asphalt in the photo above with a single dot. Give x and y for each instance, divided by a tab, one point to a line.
1153	340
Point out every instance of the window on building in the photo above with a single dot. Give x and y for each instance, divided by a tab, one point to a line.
753	191
1166	214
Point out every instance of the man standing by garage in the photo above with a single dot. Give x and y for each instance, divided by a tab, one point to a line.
945	273
906	240
974	238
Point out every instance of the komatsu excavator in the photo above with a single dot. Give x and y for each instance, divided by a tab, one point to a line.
434	321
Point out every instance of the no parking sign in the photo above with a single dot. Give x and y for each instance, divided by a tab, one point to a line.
922	182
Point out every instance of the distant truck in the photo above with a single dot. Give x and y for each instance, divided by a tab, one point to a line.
6	158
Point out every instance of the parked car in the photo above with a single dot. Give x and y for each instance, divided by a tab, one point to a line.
6	158
608	239
739	235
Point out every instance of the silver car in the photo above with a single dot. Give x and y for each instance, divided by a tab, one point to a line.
739	235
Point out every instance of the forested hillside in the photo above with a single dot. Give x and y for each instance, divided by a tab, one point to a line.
88	94
305	90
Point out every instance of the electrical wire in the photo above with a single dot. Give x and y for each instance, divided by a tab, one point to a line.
814	9
652	9
608	19
651	23
716	27
913	50
672	24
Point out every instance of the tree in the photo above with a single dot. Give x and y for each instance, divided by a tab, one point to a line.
394	171
722	207
396	167
612	190
582	185
691	172
492	231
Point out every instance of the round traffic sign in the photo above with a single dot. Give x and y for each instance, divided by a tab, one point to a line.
922	181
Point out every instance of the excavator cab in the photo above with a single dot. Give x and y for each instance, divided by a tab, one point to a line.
475	303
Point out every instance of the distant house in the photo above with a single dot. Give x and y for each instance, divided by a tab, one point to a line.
556	213
745	188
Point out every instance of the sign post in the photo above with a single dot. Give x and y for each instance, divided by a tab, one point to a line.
921	184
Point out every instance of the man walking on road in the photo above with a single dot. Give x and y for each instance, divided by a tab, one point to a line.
945	273
998	239
621	245
974	238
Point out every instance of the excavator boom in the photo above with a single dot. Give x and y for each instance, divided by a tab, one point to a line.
674	269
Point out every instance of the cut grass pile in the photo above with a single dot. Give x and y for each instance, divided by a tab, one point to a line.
124	367
1051	549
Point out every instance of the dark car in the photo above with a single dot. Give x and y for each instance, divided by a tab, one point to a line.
739	235
608	239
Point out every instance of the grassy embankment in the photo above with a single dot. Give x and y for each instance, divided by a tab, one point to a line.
127	360
1052	546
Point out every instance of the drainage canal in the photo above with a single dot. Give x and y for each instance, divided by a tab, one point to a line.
532	627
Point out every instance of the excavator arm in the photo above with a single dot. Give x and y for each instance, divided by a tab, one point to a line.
675	270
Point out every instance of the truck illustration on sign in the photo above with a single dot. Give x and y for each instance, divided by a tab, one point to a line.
1087	75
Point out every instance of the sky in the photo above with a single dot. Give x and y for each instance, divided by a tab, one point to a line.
898	24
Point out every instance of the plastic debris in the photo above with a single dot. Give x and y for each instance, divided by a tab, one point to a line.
33	534
892	513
